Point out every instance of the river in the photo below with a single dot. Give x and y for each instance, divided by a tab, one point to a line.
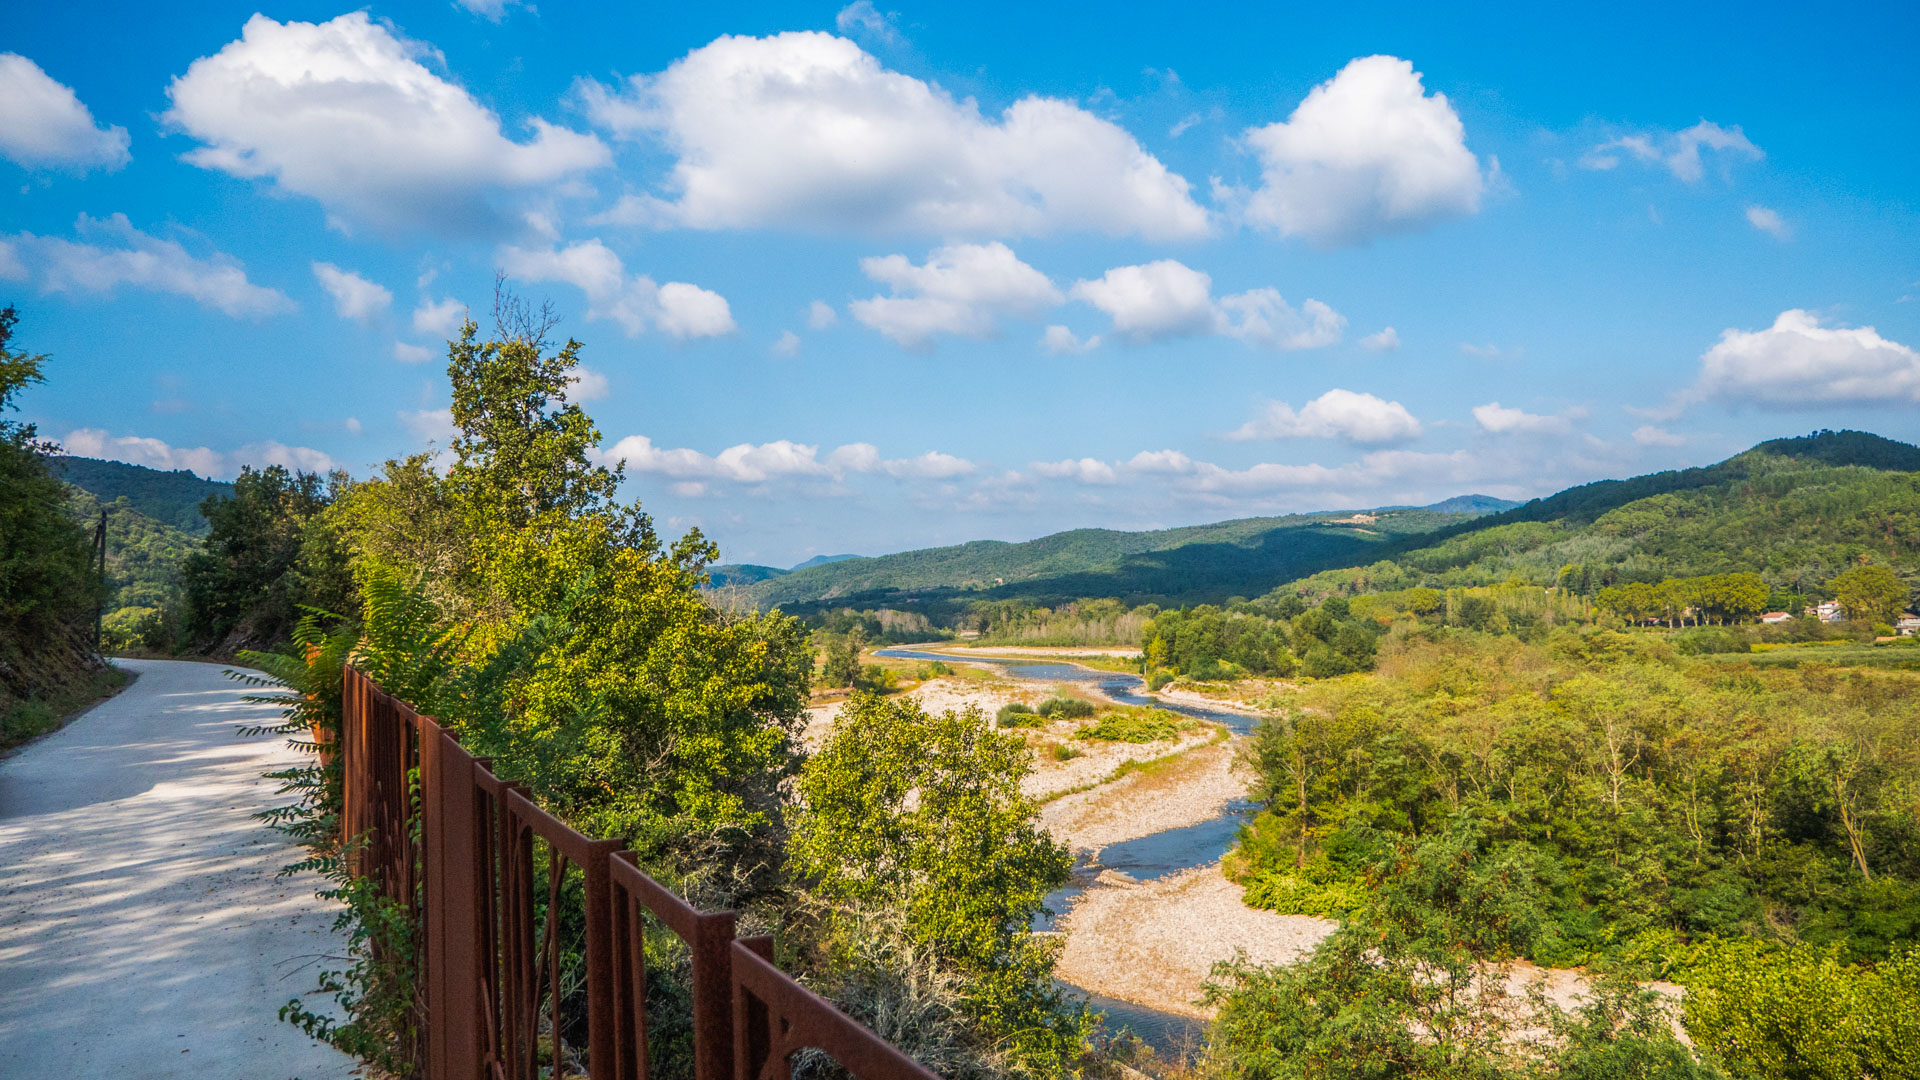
1144	859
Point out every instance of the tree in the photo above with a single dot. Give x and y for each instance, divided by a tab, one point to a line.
247	584
47	589
1870	593
923	814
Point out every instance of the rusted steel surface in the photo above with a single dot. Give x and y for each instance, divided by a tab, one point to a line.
504	895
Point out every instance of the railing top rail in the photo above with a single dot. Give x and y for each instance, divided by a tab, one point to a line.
563	837
817	1024
681	917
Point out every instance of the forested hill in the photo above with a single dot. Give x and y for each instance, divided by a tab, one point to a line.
1196	563
1796	511
170	498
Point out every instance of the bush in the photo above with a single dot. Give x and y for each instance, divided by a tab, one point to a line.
1065	708
1158	678
1066	751
1293	894
1800	1012
131	628
1016	714
1151	725
1709	642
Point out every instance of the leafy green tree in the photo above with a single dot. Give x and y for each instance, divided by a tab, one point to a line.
254	573
1802	1013
1870	593
923	814
47	589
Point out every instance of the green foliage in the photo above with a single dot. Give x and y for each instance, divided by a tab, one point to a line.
48	590
266	555
171	499
1136	725
1413	984
840	656
1803	1013
1016	714
1662	795
923	814
1195	641
1065	708
144	558
1870	593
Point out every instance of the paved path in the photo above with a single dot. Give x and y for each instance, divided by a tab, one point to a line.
142	931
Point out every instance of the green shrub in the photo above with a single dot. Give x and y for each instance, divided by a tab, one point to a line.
1016	714
131	628
1150	725
1065	708
1066	751
1293	894
1158	678
1802	1013
1709	642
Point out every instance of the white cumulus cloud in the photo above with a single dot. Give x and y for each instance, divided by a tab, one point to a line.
588	385
441	317
346	113
1337	414
787	345
1168	299
354	297
411	354
1368	152
636	303
1084	470
43	123
120	254
807	130
1798	362
961	289
820	315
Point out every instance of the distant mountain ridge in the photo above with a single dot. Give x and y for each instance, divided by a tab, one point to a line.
1797	511
1241	557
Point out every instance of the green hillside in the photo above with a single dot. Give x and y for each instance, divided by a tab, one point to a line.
170	498
143	555
1795	511
1194	563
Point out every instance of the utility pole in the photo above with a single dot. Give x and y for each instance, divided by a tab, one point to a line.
100	597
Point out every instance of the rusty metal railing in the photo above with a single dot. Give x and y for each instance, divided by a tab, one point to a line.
502	892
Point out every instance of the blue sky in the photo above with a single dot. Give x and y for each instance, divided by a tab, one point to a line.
889	275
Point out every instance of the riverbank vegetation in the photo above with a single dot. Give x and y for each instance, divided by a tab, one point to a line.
1660	810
